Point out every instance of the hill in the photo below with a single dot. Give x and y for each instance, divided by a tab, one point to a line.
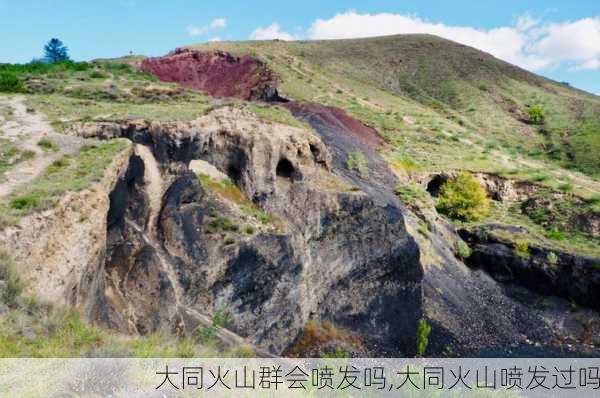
400	195
446	87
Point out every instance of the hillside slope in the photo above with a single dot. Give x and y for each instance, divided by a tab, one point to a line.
308	199
465	92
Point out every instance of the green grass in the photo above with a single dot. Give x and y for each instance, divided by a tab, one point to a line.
356	161
273	113
441	85
11	155
70	173
31	328
462	250
48	145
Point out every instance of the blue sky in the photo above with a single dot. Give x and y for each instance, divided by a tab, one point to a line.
557	39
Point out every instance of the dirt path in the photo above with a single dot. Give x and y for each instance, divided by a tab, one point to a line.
26	129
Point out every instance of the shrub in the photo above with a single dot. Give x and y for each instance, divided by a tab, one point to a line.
423	228
28	201
223	224
566	187
462	250
96	74
47	144
552	258
462	198
11	286
555	234
522	249
10	83
356	161
423	330
535	114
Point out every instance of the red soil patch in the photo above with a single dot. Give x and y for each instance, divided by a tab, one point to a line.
218	73
337	119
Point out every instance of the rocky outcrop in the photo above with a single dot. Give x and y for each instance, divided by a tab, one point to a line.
497	187
60	250
547	271
218	73
291	237
319	263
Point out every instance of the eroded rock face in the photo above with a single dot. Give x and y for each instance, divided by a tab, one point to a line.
218	73
549	272
336	253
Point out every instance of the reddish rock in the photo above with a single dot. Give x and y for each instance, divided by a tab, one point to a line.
218	73
338	119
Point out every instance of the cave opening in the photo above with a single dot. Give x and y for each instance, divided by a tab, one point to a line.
435	184
285	169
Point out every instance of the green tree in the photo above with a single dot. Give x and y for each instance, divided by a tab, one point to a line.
462	198
56	51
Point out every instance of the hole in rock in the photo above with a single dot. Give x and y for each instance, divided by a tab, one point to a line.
285	169
435	184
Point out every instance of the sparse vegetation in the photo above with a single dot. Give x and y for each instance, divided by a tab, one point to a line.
463	251
423	330
522	249
222	224
47	145
356	161
462	198
316	335
10	283
11	155
70	173
10	83
411	194
552	258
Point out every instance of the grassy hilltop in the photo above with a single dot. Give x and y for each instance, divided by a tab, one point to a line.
423	91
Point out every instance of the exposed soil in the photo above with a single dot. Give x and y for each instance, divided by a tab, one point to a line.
26	128
337	117
219	73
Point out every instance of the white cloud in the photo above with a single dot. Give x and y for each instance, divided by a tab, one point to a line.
271	32
578	40
217	23
217	38
528	43
590	64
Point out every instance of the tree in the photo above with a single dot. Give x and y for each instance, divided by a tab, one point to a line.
56	51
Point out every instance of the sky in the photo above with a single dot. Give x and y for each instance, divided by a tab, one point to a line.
555	38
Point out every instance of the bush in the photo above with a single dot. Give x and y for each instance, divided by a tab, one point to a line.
555	234
10	83
356	161
536	114
522	249
11	287
423	330
47	145
462	250
462	198
552	258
